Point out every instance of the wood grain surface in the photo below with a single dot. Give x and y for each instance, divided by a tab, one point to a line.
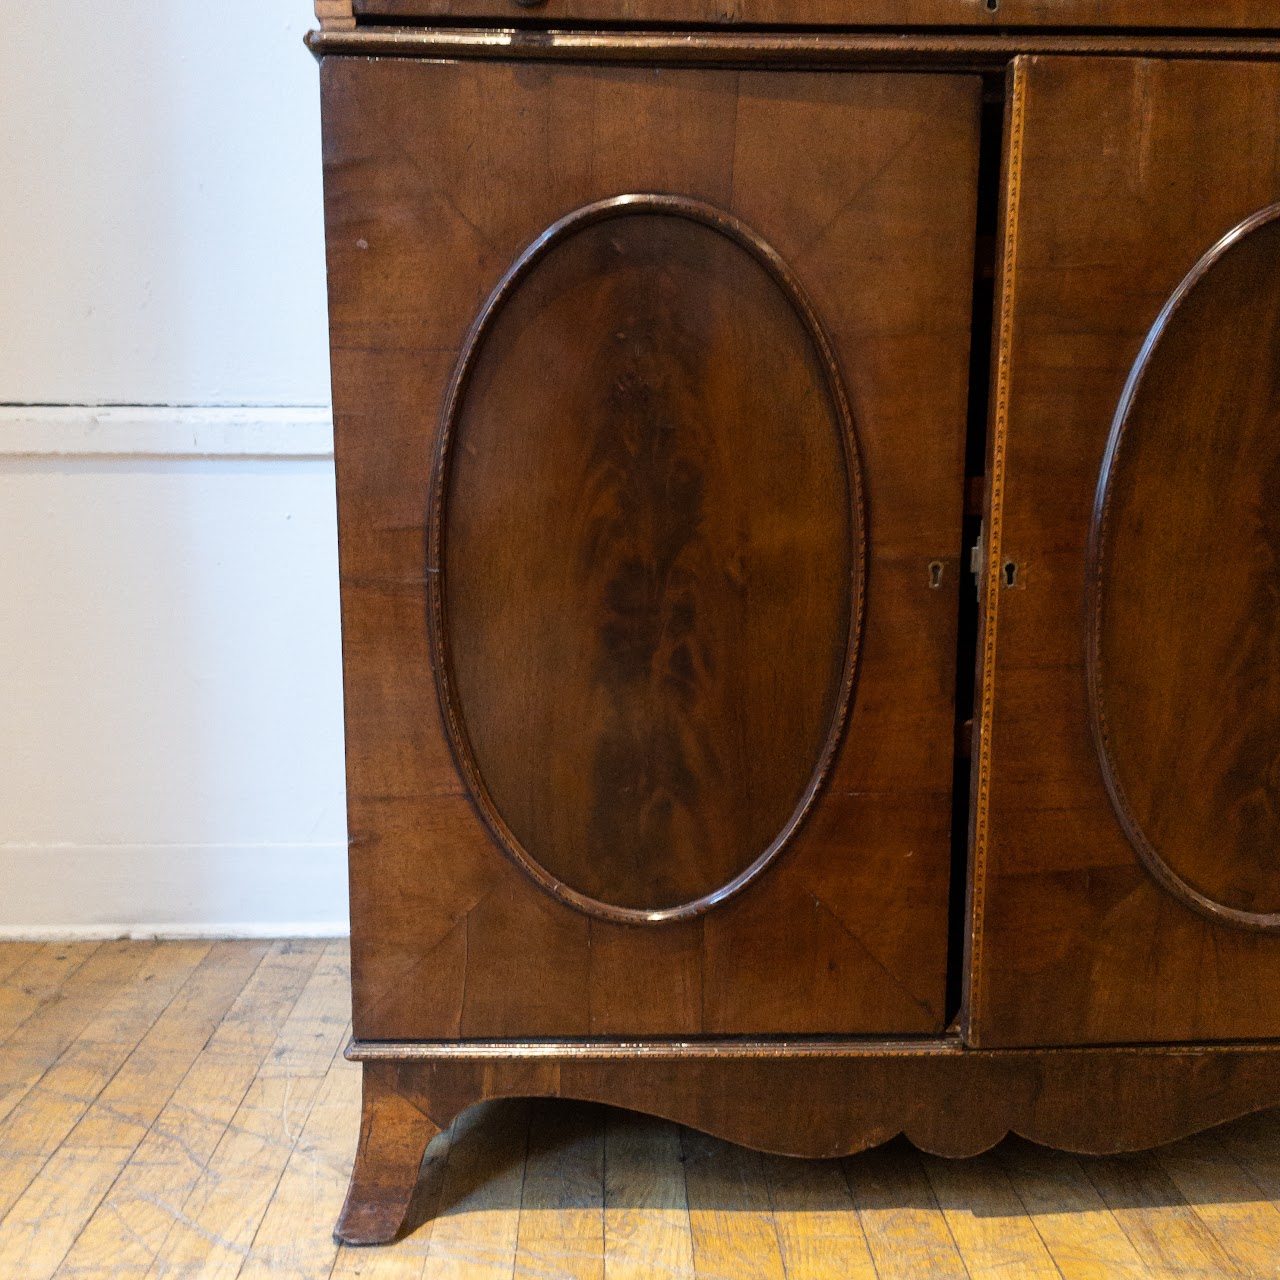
129	1224
1184	570
437	177
1074	940
647	558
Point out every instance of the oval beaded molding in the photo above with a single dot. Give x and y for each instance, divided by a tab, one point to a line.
1183	614
646	550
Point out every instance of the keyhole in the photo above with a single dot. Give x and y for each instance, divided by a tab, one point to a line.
935	574
1010	574
992	5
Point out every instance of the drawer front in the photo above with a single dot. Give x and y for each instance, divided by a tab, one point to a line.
1127	845
650	394
1202	15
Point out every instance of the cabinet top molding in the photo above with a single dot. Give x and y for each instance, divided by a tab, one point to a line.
958	50
1185	15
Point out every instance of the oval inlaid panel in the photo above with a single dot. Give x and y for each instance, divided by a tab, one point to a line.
647	536
1184	654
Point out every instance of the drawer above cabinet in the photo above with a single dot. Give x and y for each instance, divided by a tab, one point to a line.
1197	15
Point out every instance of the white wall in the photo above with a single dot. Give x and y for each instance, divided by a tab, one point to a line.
160	204
169	665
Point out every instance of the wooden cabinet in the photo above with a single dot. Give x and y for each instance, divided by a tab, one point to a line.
665	448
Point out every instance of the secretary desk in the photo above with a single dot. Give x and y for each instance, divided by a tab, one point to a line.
809	503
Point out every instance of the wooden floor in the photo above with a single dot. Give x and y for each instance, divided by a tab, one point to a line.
183	1109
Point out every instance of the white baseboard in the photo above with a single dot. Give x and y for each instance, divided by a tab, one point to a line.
171	932
173	891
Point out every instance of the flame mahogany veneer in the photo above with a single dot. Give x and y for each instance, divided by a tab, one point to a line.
660	378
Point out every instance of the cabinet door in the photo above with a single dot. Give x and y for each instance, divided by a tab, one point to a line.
1127	833
650	390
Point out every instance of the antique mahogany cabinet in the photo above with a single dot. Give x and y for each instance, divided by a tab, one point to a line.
809	504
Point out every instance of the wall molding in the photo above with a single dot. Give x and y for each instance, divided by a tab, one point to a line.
173	891
166	431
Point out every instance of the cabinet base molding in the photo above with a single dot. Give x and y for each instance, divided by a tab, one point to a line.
808	1098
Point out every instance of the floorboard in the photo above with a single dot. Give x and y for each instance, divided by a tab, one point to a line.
183	1110
53	1209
